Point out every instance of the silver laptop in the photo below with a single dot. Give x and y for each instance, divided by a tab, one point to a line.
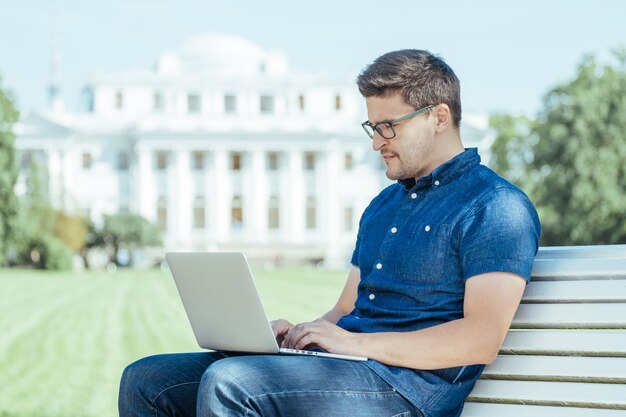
223	304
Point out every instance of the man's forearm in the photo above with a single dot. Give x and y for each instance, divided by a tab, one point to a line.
334	315
456	343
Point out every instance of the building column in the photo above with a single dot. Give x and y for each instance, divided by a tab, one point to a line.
145	200
181	201
295	220
331	210
220	197
256	203
55	176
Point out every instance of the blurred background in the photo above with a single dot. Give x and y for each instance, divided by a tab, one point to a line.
132	128
142	127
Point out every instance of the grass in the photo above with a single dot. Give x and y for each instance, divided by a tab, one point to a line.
66	337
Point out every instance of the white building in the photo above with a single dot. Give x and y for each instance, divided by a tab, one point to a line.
221	146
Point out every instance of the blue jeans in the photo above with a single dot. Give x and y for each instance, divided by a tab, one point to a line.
217	384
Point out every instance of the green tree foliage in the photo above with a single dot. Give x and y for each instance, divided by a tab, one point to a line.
8	173
512	151
44	235
572	160
128	231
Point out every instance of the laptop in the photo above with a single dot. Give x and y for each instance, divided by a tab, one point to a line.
224	307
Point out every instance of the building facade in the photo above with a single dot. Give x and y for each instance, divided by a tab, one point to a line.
223	148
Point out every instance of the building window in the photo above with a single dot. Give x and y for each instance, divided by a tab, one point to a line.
267	104
348	219
198	161
162	214
273	161
193	103
230	104
273	220
311	213
236	212
309	161
301	103
87	99
27	160
122	161
161	161
87	160
158	102
337	102
199	213
236	161
348	161
119	100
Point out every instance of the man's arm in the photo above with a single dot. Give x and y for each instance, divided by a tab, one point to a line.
346	301
490	303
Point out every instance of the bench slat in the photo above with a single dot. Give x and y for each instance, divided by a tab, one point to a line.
575	291
551	368
577	252
509	410
578	268
596	315
568	394
560	342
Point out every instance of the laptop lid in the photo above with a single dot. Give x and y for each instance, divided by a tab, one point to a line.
222	301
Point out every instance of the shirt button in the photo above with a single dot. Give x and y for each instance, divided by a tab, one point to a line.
379	266
427	228
372	296
436	182
414	196
394	230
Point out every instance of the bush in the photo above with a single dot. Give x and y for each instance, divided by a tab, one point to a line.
51	254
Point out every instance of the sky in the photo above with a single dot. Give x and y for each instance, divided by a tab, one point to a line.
507	54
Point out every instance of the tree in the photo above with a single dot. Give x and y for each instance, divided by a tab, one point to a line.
512	150
45	237
8	173
576	174
128	231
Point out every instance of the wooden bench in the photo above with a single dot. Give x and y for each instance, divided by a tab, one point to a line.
565	355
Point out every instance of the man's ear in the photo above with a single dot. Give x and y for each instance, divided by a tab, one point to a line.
443	117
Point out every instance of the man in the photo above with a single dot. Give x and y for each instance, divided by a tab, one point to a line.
441	261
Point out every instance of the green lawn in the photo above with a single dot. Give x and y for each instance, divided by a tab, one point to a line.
66	337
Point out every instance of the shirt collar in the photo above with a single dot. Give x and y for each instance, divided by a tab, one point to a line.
446	172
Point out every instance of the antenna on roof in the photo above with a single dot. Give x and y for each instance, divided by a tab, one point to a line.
54	91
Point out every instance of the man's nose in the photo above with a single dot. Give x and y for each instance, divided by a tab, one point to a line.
378	141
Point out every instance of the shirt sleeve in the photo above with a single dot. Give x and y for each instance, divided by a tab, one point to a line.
500	234
355	254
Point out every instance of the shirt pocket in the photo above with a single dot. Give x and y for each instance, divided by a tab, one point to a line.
425	251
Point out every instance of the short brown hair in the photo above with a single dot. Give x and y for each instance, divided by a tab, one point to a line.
421	77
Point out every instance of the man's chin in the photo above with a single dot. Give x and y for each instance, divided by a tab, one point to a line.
394	176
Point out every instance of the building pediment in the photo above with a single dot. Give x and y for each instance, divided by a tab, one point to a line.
36	124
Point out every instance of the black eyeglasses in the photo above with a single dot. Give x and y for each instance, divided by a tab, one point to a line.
385	129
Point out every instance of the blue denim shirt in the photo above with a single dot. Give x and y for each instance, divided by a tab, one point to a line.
417	244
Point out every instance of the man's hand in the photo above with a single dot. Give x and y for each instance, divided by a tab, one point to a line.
324	334
280	328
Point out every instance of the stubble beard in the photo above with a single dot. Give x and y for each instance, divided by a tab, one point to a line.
403	169
413	161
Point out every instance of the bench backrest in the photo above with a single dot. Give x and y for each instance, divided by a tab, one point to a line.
565	354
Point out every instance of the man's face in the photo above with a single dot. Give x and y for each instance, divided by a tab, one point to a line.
409	153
